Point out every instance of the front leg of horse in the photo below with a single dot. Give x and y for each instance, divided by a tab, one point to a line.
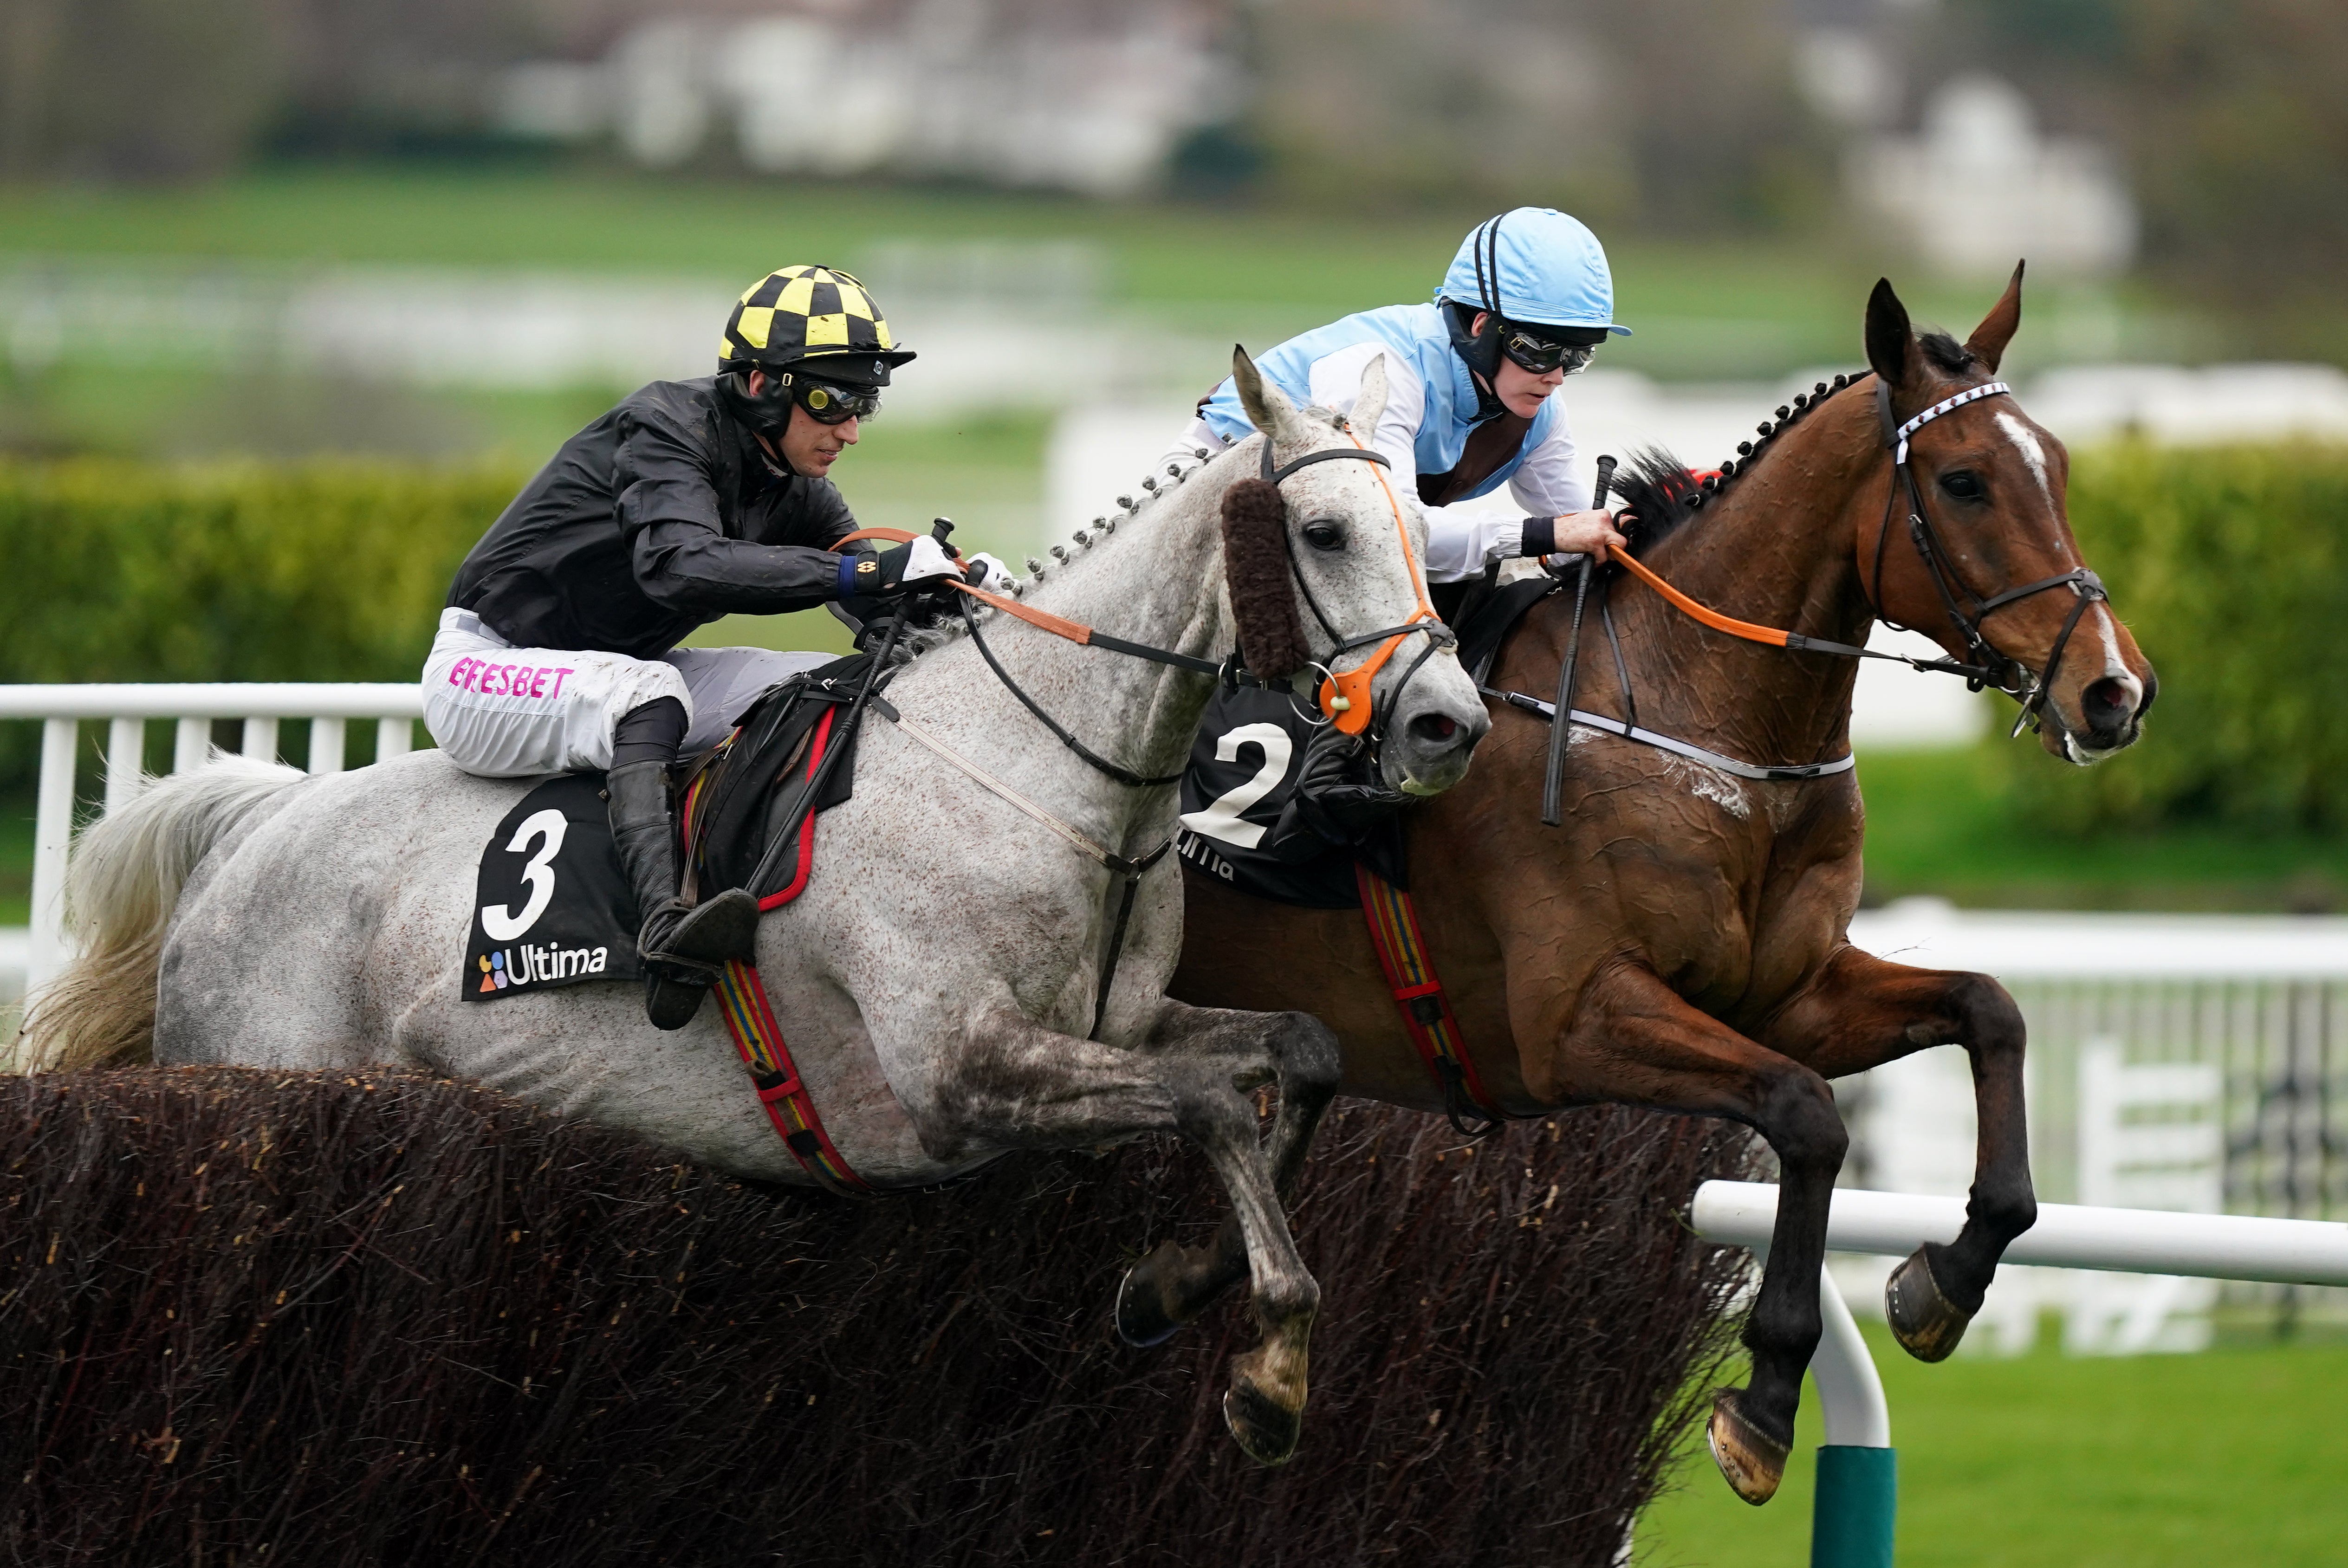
1863	1012
1018	1084
1633	1041
1175	1284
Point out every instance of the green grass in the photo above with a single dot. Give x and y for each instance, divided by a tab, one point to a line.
1943	822
2235	1456
1703	310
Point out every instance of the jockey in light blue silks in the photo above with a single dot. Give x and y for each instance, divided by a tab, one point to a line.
1469	378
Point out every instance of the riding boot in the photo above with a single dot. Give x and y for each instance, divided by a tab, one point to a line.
683	948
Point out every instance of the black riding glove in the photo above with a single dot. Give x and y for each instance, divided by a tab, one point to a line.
1338	799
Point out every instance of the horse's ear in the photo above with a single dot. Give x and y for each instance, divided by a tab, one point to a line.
1267	407
1988	339
1891	340
1370	401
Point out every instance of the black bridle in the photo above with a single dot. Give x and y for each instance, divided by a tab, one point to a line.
1986	664
1439	635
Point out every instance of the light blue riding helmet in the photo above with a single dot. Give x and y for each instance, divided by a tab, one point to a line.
1534	265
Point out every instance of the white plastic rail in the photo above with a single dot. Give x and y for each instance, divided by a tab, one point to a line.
328	707
2132	1241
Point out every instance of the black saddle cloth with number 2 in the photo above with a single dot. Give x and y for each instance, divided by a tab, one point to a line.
1242	772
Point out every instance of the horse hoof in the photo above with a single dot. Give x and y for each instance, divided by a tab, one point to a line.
1142	1316
1927	1324
1751	1461
1265	1430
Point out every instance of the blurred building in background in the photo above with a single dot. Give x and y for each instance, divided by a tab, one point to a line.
1084	97
1979	187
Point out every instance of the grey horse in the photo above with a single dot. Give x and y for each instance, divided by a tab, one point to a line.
936	980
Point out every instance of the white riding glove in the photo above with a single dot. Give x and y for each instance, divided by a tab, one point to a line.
983	571
928	559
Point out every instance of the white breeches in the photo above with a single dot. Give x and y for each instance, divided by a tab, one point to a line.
504	712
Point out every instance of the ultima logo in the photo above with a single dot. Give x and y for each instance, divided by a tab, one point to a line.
501	968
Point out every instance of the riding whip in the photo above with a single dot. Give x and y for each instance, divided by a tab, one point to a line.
1560	723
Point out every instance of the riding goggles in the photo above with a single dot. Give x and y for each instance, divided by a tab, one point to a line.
1542	355
829	403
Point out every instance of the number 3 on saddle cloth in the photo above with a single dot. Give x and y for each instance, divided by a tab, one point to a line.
554	907
1244	825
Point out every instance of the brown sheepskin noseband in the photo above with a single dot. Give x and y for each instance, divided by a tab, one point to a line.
1255	565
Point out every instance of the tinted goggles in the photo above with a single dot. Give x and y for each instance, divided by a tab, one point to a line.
829	403
1542	355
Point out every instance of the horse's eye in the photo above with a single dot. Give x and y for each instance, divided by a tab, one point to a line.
1962	484
1325	535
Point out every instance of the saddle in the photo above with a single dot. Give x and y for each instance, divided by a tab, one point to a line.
1246	765
737	799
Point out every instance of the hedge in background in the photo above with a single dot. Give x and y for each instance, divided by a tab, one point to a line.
114	571
128	571
2231	564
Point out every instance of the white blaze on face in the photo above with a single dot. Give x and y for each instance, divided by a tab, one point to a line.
2024	437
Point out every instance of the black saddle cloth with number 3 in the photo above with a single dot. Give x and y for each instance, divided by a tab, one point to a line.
553	906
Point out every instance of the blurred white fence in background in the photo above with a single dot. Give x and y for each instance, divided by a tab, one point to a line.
259	708
935	91
2197	1063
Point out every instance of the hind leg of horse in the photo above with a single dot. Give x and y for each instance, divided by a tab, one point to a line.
1021	1084
1862	1012
1633	1041
1175	1284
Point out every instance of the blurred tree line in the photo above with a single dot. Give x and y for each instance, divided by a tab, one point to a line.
2231	117
1672	115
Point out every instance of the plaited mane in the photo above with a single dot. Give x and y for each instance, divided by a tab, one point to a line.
1661	493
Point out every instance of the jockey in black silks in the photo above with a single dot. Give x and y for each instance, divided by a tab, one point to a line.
691	501
1470	406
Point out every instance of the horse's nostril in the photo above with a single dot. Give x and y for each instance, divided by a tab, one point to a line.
1433	726
2106	702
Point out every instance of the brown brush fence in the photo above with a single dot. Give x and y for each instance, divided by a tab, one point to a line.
248	1318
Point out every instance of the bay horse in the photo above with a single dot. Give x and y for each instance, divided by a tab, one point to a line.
1680	942
958	982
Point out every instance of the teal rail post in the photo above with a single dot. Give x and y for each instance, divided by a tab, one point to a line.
1858	1473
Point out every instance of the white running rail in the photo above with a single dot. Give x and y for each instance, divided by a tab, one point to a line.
263	705
2067	1235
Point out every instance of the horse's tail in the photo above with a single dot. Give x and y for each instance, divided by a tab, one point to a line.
124	882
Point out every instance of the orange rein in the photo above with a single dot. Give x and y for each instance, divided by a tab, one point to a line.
1713	618
1058	626
1346	699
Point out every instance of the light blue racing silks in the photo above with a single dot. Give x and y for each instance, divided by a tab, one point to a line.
1417	336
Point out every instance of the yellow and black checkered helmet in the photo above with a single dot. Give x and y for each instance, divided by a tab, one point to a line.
800	313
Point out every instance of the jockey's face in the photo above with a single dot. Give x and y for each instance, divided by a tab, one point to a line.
808	447
1519	390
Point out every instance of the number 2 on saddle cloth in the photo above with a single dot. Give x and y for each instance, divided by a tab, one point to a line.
1237	828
